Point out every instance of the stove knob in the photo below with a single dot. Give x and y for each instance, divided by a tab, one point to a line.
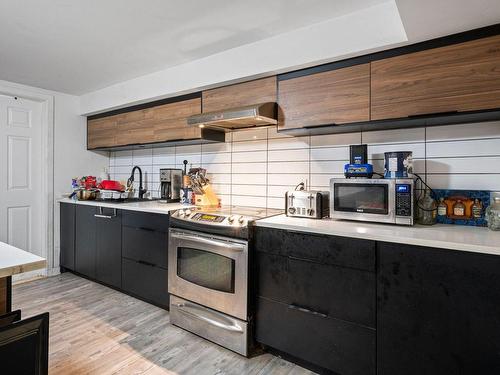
230	219
291	210
241	220
188	212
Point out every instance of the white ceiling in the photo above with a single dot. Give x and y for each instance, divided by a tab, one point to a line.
79	46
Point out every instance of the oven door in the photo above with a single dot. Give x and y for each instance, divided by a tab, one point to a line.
363	199
209	270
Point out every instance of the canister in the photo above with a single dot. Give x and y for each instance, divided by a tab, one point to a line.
398	164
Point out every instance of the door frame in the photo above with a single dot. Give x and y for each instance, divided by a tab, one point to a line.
47	169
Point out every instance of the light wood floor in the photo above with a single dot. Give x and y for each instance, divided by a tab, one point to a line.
96	330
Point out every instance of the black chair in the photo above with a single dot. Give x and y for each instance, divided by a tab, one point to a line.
24	344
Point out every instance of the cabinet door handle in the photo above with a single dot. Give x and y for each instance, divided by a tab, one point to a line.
319	126
146	263
417	115
102	216
306	310
146	229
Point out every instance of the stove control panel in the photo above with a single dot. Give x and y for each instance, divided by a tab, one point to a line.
211	218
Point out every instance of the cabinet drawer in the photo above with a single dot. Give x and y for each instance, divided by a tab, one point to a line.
146	282
333	250
336	292
338	346
145	245
145	220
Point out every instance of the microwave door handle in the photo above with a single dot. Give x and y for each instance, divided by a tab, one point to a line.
227	327
208	241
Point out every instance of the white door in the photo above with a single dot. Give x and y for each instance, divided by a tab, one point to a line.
20	173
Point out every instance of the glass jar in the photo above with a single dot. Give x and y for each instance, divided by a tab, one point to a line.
426	209
493	214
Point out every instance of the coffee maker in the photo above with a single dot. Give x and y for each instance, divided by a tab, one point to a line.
170	185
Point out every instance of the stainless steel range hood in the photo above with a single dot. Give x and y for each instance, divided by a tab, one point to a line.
257	115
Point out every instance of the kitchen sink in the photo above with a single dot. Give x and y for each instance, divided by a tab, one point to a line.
128	200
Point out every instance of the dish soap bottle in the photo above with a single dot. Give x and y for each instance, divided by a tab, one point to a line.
493	214
426	209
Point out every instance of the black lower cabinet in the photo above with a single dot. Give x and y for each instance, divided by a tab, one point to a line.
67	236
438	311
316	299
146	281
109	247
329	343
85	240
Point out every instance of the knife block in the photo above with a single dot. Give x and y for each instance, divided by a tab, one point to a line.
208	198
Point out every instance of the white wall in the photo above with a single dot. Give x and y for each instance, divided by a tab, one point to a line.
377	27
256	167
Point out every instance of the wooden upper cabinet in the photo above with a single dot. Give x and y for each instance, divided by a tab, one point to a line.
459	77
102	132
170	120
163	123
333	97
240	95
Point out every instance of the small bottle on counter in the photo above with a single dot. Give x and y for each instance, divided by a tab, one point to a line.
459	208
426	209
442	208
477	209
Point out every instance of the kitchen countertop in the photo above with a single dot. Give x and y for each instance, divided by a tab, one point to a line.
456	237
151	206
14	261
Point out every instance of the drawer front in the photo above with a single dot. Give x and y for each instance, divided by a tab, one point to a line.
333	250
145	245
336	292
338	346
147	282
145	220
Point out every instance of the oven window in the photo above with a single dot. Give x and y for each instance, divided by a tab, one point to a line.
206	269
365	198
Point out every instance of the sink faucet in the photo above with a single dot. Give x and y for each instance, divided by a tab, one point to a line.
130	181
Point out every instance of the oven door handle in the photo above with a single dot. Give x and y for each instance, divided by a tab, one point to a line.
233	328
227	245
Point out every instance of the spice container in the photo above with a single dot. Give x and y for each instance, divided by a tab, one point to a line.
426	209
493	214
459	208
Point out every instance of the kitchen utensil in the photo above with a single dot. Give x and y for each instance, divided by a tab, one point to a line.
86	195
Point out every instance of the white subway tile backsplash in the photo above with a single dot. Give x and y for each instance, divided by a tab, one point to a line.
330	153
256	167
288	143
288	155
473	147
249	157
250	146
330	140
464	131
249	168
248	179
288	167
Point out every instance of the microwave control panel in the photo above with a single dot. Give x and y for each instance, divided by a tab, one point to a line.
403	200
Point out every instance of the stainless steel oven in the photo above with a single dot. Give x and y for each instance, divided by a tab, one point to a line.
209	270
380	200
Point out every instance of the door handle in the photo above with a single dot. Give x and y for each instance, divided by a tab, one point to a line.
227	245
233	327
102	216
306	310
